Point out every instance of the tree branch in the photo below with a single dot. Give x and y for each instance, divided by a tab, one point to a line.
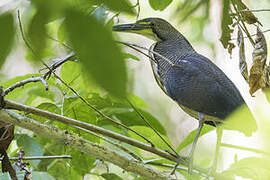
39	157
93	128
81	144
23	82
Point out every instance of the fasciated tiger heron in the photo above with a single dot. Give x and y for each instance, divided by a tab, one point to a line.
199	87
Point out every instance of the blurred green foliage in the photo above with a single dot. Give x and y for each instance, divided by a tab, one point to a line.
101	79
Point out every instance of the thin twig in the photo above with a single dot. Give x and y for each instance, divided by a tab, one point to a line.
153	52
40	157
254	10
57	64
267	30
146	121
245	149
139	9
63	44
177	168
26	81
244	26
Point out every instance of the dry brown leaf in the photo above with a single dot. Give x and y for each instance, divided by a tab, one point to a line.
242	56
257	78
266	89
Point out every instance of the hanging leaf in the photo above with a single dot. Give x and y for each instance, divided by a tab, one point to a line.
7	32
101	57
246	14
119	5
257	78
225	24
159	5
242	56
266	89
37	31
250	168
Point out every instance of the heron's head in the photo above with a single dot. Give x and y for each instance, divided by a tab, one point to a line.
155	28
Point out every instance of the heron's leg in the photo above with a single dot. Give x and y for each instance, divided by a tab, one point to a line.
219	136
201	121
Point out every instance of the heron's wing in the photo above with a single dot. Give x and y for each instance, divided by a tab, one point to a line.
203	87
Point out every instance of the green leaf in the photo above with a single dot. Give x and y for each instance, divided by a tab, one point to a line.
189	139
130	56
62	166
74	108
111	176
250	168
7	32
131	118
81	162
149	134
101	14
225	24
30	146
119	5
95	47
41	176
159	4
241	120
71	72
37	31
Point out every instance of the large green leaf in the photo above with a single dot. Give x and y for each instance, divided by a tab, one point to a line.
7	32
95	47
248	168
37	31
119	5
189	139
225	24
159	4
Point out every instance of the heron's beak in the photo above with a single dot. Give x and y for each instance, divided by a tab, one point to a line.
134	27
142	28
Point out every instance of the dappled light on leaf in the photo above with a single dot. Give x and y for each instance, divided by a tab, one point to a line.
251	168
241	120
